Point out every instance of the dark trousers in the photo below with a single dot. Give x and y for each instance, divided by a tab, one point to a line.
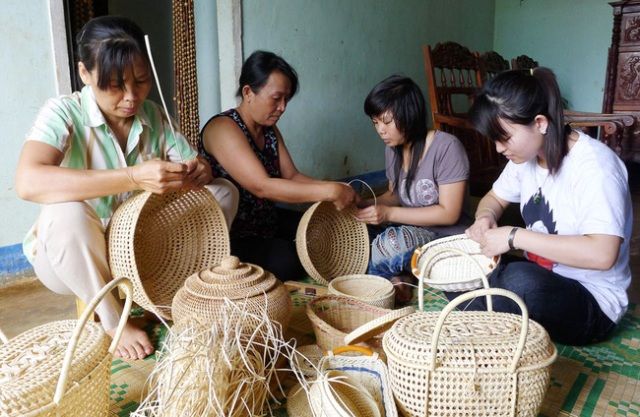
276	254
564	307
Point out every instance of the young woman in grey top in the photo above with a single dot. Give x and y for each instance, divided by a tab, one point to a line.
427	173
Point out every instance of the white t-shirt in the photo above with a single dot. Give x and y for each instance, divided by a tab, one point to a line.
588	195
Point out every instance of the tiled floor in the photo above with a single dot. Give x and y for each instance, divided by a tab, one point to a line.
29	304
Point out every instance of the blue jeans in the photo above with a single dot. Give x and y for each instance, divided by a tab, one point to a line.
563	306
392	248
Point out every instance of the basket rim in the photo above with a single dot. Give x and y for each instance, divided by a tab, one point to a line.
377	325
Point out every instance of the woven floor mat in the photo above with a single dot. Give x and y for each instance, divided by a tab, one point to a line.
599	380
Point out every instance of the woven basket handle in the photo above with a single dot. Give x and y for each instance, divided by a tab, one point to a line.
3	338
375	200
125	285
431	254
477	293
351	348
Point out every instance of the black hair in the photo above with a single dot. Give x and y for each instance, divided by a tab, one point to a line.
111	44
401	97
518	97
259	66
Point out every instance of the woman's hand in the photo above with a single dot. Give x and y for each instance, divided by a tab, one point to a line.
158	176
344	196
374	214
496	241
477	231
198	173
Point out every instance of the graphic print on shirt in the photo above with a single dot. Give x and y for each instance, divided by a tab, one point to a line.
538	217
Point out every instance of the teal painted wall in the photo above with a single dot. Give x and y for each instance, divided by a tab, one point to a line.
28	79
341	49
571	37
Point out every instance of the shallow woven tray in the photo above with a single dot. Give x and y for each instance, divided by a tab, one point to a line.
371	289
331	243
158	240
453	263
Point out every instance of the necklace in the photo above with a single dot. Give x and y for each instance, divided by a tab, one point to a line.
537	196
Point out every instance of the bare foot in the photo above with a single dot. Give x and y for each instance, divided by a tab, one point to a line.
134	343
403	288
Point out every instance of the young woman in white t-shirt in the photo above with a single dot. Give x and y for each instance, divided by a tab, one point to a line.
575	202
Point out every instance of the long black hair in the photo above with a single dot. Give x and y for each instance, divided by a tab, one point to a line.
402	98
259	66
112	44
518	97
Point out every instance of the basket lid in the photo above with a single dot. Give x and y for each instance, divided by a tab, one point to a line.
331	243
31	362
467	339
230	279
377	326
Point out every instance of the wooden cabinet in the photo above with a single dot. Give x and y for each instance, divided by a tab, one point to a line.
622	85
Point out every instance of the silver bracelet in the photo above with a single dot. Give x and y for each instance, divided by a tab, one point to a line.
512	235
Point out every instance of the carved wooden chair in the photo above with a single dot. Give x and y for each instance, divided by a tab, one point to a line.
523	62
454	77
492	64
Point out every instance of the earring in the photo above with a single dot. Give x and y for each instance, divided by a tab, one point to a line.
543	133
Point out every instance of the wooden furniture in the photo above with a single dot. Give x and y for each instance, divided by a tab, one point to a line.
523	62
454	76
622	84
492	64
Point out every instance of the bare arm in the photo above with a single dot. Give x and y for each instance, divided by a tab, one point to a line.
227	144
41	179
581	251
446	212
489	211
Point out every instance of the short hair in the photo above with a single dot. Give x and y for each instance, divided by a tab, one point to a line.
259	66
111	44
402	97
518	97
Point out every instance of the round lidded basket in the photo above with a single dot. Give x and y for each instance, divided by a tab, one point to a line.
479	363
453	263
202	298
61	368
371	289
331	243
158	240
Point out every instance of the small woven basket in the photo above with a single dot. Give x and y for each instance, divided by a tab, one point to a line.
464	363
368	371
371	289
202	298
61	368
331	243
160	239
333	317
453	263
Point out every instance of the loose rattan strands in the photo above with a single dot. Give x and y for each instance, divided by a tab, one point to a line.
160	240
331	243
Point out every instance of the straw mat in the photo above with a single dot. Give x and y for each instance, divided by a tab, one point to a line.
600	380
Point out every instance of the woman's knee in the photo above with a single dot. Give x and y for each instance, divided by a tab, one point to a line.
70	221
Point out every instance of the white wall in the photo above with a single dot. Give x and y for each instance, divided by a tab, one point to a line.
28	79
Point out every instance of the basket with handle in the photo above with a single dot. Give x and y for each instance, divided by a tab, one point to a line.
331	243
453	263
61	368
371	289
158	240
333	317
462	363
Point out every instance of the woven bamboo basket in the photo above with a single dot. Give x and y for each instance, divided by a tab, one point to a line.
371	289
203	294
453	263
463	363
333	317
331	243
160	239
61	368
